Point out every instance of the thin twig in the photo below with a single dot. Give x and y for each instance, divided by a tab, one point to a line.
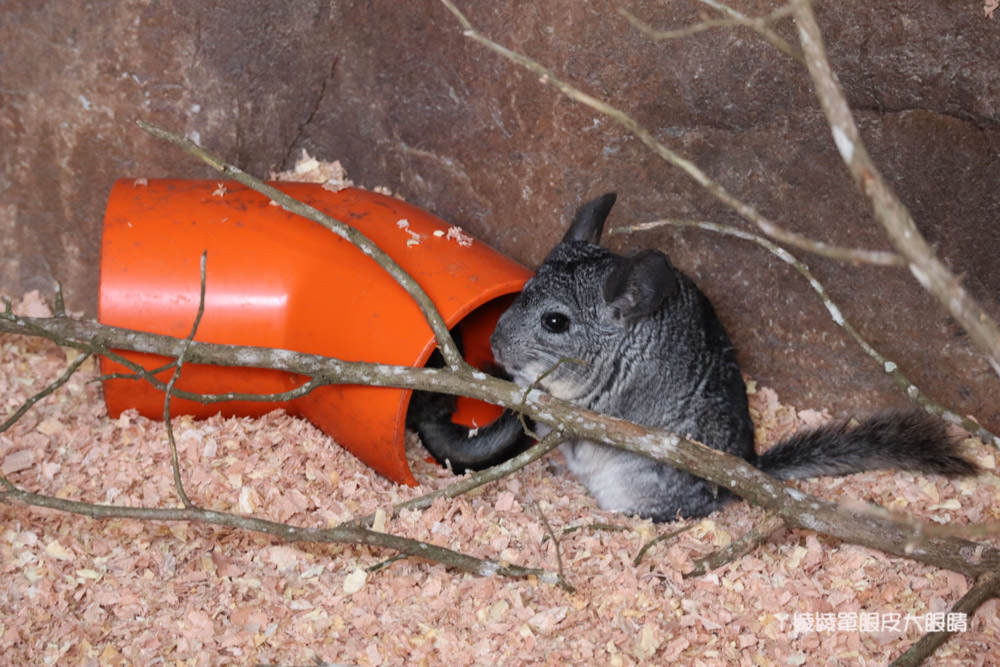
453	358
741	547
385	563
606	527
890	212
471	481
355	534
645	136
556	546
660	538
28	404
761	26
286	532
32	400
139	372
909	389
175	465
987	586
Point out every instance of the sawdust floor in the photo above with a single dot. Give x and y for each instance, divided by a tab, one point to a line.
88	592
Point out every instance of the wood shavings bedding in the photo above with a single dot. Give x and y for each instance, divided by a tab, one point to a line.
80	591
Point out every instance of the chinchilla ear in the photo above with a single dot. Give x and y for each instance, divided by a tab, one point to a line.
589	219
639	284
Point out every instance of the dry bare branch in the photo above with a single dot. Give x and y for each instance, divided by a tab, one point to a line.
659	538
741	547
175	466
473	480
890	212
909	389
646	137
987	586
761	26
449	350
910	539
286	532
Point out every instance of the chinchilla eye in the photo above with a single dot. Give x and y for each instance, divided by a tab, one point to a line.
554	322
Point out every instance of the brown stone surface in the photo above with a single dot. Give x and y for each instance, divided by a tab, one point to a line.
403	99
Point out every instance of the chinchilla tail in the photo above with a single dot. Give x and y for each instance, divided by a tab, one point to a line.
464	449
900	440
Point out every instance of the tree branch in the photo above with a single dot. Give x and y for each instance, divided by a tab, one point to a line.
645	136
910	539
761	26
175	465
444	340
288	533
987	586
909	389
473	480
752	539
890	212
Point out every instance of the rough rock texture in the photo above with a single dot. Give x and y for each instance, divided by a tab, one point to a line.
403	99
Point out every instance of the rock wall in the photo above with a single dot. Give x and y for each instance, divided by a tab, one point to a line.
403	99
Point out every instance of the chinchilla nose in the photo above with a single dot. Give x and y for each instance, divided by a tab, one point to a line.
496	340
498	344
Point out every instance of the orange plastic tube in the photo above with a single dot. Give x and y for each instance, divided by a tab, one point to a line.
274	279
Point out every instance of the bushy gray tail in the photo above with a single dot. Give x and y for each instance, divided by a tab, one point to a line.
901	440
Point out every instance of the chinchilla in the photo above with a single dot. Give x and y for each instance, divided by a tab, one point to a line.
633	337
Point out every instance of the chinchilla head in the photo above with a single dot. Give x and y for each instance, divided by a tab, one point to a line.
586	313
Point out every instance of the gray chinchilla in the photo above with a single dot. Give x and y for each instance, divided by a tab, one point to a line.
633	337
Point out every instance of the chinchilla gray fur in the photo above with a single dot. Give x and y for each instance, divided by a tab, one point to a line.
633	337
